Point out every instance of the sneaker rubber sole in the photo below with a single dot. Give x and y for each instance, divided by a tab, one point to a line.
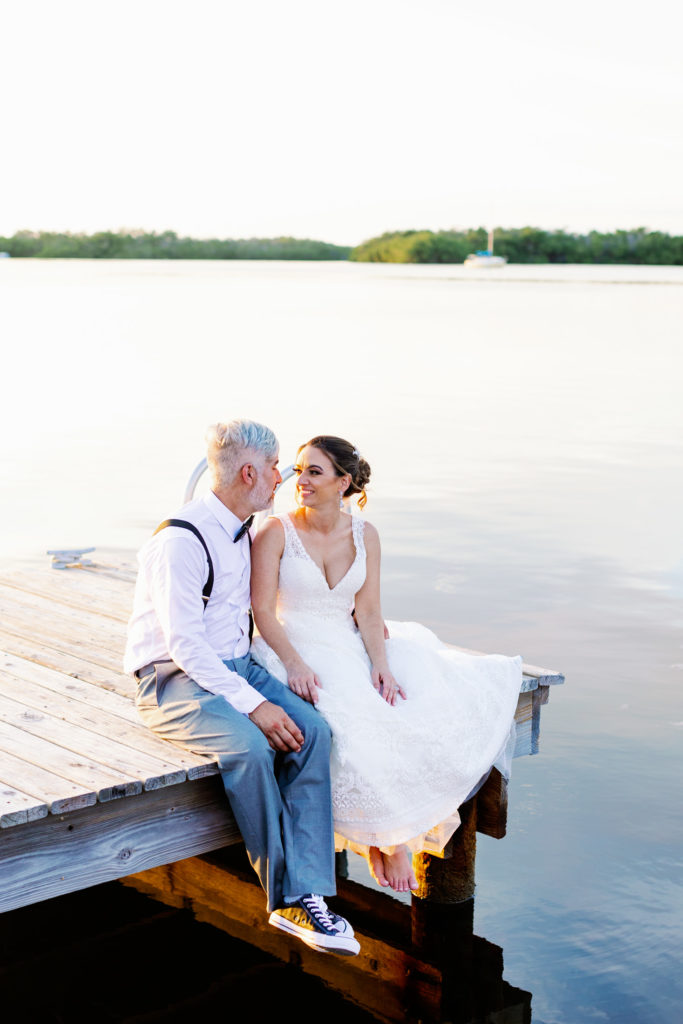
342	945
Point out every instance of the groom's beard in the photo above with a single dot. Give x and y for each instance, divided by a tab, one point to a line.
262	496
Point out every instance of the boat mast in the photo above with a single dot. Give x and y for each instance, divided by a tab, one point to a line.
490	244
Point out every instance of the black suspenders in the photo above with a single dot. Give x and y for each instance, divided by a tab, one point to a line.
208	586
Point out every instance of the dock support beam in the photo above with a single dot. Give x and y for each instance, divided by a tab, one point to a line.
450	878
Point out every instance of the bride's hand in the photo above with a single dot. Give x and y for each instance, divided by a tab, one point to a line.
386	685
303	681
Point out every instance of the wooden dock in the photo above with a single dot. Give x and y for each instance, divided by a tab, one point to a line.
88	795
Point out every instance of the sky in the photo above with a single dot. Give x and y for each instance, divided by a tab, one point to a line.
340	121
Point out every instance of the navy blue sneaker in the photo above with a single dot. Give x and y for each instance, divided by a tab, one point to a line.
341	924
310	920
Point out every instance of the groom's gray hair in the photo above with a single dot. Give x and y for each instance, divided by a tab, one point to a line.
227	443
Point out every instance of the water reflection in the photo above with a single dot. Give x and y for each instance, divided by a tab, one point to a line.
117	926
474	989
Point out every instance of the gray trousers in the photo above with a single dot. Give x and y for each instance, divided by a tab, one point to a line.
281	801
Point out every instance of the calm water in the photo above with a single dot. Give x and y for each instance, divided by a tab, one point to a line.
526	438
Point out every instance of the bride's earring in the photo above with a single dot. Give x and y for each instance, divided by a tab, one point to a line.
341	501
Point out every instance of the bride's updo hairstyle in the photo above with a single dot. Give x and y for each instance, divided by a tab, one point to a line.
345	459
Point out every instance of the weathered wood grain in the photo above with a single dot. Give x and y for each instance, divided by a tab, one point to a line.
67	682
108	784
69	663
45	785
114	707
113	598
62	637
62	853
523	722
89	622
85	634
101	721
17	807
84	742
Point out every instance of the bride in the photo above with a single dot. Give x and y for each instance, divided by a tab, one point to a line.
415	724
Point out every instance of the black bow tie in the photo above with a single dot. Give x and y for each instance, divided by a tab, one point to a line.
243	529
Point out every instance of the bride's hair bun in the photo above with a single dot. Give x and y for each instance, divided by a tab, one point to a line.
346	459
362	477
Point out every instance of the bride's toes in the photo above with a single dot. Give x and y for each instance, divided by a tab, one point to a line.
376	865
398	870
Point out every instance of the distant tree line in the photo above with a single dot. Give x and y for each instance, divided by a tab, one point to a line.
520	245
524	245
166	245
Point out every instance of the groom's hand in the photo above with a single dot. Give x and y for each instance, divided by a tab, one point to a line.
279	729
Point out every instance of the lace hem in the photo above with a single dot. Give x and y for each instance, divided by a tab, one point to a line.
420	836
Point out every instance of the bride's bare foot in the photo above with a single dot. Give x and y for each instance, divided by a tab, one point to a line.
398	870
376	864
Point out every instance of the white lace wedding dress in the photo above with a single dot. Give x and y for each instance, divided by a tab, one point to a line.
399	773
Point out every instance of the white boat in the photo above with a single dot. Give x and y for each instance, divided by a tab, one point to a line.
485	257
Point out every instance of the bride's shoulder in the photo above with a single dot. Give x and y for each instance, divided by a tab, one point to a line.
369	532
271	534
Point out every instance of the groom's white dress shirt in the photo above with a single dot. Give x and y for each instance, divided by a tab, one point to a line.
169	621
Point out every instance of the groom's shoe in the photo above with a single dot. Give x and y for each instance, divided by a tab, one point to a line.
314	923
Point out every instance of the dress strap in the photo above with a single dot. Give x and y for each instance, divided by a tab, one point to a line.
358	530
291	538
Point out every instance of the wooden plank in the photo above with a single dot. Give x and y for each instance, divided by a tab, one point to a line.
45	785
69	684
385	978
21	623
89	623
540	697
70	663
102	647
113	599
84	742
121	573
549	676
85	772
63	853
17	807
523	722
96	719
115	706
119	570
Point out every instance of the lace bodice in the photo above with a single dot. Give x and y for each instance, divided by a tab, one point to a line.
303	589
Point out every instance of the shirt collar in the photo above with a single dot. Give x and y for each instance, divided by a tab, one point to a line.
225	517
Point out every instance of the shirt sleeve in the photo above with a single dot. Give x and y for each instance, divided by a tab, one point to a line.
177	574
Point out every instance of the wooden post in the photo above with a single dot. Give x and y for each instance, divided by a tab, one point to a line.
442	915
450	879
492	806
341	864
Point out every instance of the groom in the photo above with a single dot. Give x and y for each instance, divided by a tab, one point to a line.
188	648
